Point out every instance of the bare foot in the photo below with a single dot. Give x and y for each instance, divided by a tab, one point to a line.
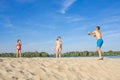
100	59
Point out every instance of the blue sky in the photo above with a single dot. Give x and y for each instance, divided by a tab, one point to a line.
38	22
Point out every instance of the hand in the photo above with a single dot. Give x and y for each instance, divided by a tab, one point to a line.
89	33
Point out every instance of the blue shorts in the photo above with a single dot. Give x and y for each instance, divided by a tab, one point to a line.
99	43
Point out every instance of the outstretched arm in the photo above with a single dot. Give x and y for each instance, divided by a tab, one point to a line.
92	34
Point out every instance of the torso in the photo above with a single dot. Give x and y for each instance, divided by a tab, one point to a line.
18	46
58	44
98	35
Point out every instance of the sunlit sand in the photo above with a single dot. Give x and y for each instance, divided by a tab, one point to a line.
59	69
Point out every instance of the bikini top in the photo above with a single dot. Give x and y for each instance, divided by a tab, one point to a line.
19	44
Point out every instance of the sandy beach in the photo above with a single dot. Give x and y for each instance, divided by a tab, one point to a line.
59	69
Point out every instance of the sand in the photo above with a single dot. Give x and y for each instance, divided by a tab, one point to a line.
59	69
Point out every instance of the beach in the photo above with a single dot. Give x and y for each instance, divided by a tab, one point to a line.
59	69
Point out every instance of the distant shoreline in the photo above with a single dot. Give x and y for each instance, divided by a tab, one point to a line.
112	57
67	54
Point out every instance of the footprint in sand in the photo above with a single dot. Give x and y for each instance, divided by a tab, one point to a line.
14	78
1	60
8	70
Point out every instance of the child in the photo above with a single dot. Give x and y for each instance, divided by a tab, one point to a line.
98	36
18	48
58	47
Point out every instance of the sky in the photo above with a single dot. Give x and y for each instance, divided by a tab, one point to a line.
38	23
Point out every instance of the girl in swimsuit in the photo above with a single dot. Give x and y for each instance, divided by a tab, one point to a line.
18	48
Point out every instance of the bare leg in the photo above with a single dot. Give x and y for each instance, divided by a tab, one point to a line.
56	53
100	53
17	53
20	53
59	53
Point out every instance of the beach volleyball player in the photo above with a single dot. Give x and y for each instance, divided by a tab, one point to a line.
58	47
97	33
18	48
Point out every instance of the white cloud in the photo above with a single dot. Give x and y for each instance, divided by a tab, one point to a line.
47	46
111	40
8	24
81	28
111	19
65	5
111	34
38	24
69	19
48	26
74	18
6	21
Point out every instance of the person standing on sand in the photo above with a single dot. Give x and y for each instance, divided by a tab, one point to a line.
58	47
18	48
98	36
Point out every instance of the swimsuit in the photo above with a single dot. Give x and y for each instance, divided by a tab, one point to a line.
99	42
19	47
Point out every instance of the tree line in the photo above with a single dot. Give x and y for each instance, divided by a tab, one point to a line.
67	54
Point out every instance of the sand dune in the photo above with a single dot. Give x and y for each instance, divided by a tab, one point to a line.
59	69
